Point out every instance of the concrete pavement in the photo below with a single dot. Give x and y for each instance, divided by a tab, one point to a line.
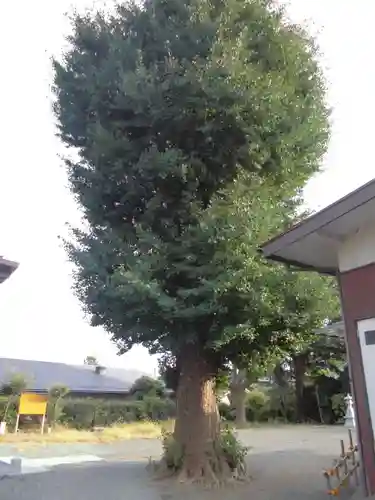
12	466
285	462
89	482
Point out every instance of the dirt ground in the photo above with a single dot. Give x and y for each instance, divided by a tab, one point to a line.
285	463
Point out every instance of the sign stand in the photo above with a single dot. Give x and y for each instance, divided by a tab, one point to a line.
32	404
43	422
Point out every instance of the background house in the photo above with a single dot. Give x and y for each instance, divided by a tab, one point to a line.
81	380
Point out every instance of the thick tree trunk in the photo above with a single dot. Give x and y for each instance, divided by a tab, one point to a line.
282	382
299	373
238	401
197	425
238	386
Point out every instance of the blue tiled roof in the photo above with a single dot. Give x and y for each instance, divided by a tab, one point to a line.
42	375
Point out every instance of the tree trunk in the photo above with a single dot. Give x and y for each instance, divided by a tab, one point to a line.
299	373
238	385
319	405
197	425
238	402
282	383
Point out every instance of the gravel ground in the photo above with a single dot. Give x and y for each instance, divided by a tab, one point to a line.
285	462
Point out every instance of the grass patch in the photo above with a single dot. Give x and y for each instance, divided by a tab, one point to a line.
121	432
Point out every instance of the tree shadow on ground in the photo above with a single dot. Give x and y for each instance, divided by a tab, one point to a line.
282	475
277	475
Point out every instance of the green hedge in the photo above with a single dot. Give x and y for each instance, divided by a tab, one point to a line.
265	405
84	413
262	405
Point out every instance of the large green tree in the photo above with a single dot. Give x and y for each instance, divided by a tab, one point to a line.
169	107
284	306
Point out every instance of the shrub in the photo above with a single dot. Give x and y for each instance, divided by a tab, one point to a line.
88	412
338	406
12	389
258	406
54	408
173	455
282	404
226	412
234	452
158	409
11	416
147	387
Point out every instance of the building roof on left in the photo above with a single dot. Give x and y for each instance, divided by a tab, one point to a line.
7	267
42	375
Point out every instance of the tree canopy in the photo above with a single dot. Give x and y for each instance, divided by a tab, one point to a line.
166	103
91	360
192	125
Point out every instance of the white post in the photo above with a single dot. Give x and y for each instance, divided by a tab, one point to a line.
349	414
3	428
17	423
43	422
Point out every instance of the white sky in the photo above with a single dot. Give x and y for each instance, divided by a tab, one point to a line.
39	316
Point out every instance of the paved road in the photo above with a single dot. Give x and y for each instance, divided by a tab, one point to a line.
286	463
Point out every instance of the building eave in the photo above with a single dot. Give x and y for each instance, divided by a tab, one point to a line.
313	243
7	267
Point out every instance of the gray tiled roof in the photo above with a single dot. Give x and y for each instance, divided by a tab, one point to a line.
6	268
41	375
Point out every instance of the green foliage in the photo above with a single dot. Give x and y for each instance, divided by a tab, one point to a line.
173	454
222	381
339	406
282	404
15	385
170	373
265	405
54	408
278	308
234	451
57	392
228	446
13	388
326	357
145	387
86	413
169	370
316	366
261	406
8	410
258	406
226	412
176	111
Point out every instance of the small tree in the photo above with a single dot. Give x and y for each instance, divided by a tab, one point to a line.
13	388
240	381
91	360
147	387
55	395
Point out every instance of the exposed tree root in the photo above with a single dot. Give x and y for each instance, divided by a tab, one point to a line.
199	451
214	469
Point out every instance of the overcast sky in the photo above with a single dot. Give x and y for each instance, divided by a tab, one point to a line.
39	316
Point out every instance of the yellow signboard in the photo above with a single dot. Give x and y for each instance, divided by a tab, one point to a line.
32	404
